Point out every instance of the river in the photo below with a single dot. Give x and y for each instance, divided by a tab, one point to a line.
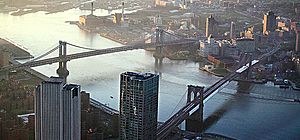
250	115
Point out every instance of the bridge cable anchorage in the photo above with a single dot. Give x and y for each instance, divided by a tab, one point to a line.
182	97
45	54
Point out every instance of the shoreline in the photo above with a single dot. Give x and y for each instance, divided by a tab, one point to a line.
42	77
102	34
263	81
16	50
21	53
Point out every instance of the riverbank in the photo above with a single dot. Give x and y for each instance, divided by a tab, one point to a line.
294	85
22	8
221	72
33	7
29	76
211	72
16	50
21	85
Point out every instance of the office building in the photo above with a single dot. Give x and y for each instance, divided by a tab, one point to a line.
210	26
71	112
269	23
57	111
161	3
195	20
296	28
249	33
138	106
245	45
232	30
209	47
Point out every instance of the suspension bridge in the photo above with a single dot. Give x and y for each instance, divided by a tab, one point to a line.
202	95
162	38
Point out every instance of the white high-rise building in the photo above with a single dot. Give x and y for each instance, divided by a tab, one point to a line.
57	111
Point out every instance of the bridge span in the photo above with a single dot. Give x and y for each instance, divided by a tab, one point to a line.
88	54
184	112
178	117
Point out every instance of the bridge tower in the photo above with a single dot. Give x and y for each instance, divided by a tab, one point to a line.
246	58
158	54
194	123
62	70
250	66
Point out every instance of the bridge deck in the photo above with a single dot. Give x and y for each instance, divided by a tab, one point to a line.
86	54
183	113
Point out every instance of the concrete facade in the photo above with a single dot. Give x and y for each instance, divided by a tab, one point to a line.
208	47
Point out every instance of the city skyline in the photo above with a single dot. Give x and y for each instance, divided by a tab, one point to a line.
245	54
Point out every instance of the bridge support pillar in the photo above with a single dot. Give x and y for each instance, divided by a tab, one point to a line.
250	67
194	122
158	55
62	70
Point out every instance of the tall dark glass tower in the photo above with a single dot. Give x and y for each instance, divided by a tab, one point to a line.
138	106
269	23
210	27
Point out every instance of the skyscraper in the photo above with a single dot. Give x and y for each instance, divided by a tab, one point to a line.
210	26
138	106
57	111
269	23
232	30
71	112
296	28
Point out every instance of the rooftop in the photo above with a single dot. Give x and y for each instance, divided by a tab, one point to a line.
139	76
54	80
70	86
244	39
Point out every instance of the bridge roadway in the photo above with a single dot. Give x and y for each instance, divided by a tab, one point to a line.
103	107
183	113
89	54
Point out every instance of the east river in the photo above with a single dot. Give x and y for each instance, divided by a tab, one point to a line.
261	112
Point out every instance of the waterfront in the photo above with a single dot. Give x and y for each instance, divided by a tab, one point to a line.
99	75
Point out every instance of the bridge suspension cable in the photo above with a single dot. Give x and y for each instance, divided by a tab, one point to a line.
93	49
175	35
45	54
86	48
35	62
182	97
